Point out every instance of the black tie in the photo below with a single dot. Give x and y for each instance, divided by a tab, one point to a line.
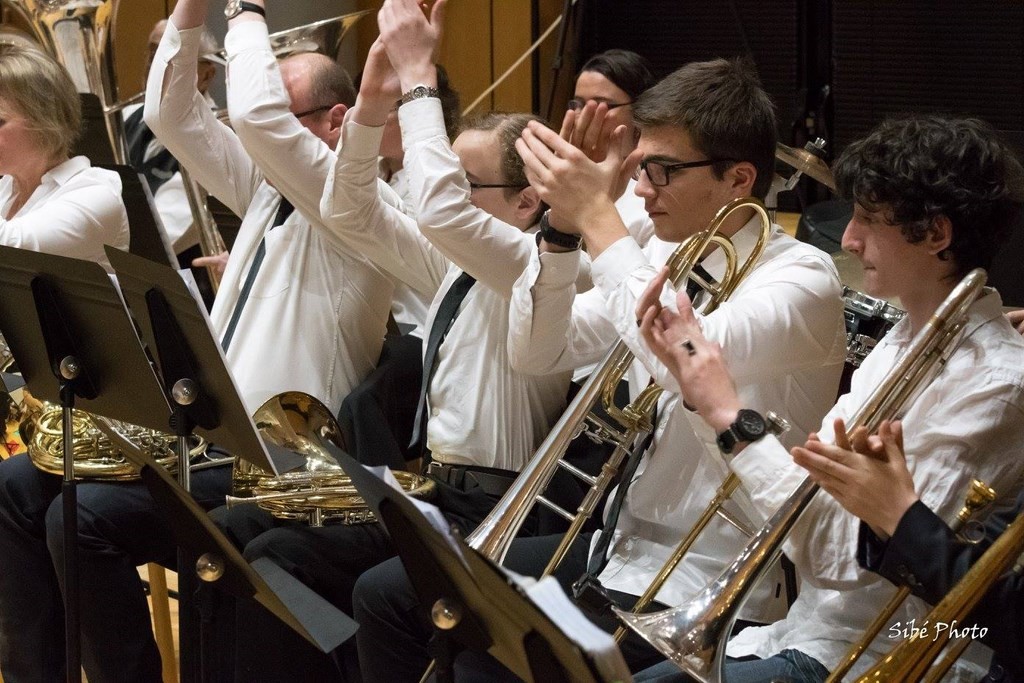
447	311
692	288
284	210
598	559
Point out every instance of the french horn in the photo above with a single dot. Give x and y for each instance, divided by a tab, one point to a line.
320	492
96	458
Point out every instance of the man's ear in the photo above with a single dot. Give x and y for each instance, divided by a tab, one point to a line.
939	235
528	204
742	176
337	115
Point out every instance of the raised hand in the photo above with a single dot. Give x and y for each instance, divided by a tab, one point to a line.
867	475
696	363
378	89
578	189
412	39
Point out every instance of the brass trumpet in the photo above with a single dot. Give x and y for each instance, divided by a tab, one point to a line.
494	535
693	635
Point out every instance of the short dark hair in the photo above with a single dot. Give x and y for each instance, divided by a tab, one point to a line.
331	84
924	166
629	71
723	108
449	102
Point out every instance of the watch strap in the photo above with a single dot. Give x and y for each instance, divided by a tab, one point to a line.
554	236
418	92
236	8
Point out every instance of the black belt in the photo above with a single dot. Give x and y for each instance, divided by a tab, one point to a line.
492	481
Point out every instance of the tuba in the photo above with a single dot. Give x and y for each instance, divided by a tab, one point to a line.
320	492
693	635
494	535
80	36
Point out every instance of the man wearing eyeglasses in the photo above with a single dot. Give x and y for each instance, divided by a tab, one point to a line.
707	136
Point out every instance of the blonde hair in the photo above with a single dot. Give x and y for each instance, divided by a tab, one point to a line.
41	91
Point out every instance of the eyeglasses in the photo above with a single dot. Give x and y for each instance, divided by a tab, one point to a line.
660	173
484	186
319	109
577	104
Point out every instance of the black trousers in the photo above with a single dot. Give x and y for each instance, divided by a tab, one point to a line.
120	527
394	629
328	560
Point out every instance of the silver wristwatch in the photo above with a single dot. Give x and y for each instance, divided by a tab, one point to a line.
418	92
236	7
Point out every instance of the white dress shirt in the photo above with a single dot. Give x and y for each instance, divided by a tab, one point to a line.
409	306
634	215
75	211
316	314
481	412
782	333
954	431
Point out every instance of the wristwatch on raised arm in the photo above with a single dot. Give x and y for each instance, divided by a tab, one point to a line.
236	7
417	92
553	235
750	426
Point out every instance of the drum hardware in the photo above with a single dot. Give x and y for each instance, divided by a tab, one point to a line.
807	161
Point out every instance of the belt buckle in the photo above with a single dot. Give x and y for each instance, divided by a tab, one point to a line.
438	470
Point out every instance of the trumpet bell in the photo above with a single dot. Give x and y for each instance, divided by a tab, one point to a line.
323	36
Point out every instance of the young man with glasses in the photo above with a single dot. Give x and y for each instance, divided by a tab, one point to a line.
933	198
784	326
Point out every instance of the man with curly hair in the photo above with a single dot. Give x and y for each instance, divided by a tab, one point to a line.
932	199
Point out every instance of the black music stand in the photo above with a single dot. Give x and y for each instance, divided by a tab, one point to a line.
481	608
147	237
203	397
64	319
318	621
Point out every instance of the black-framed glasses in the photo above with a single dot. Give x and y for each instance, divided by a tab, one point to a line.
660	172
323	107
484	186
576	104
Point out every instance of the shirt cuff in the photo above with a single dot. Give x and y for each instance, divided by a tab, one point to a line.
360	142
178	41
421	120
559	269
762	464
247	35
616	263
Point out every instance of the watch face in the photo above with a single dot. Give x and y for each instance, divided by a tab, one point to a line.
750	425
232	8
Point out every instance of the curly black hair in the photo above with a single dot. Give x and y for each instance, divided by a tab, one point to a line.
920	167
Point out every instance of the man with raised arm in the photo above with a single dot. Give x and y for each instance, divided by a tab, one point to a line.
707	136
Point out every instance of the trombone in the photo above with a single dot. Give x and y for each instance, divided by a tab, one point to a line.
911	659
693	635
978	496
495	533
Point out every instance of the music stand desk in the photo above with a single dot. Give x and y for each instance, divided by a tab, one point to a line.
496	617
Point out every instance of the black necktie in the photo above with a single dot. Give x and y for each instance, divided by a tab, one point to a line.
598	558
284	210
447	311
692	288
157	169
